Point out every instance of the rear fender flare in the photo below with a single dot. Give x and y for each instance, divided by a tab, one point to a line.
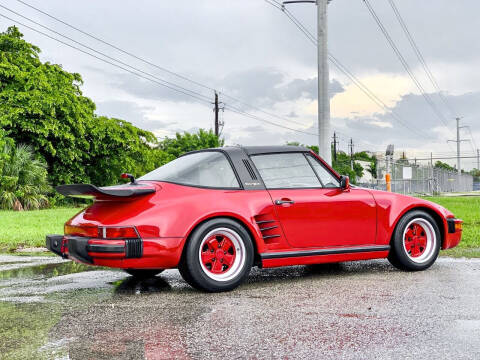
254	233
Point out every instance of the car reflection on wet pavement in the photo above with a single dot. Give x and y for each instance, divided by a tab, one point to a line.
51	308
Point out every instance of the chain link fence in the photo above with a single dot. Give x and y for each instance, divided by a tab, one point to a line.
407	178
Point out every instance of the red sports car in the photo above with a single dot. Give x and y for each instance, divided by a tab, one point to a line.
215	213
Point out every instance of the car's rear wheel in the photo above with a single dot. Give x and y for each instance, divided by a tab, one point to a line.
416	242
143	273
218	256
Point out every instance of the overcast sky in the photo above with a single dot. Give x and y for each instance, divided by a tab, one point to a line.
250	50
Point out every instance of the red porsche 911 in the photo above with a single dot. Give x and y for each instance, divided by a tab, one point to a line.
215	213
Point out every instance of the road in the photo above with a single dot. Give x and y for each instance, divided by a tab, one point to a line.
360	310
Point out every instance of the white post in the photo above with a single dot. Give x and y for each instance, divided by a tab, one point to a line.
458	151
323	83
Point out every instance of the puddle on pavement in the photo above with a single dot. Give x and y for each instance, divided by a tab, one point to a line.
44	270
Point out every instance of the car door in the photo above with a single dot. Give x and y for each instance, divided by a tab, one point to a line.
310	205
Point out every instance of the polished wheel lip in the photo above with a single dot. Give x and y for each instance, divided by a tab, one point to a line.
240	254
431	240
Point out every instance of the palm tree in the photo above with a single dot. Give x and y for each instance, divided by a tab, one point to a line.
23	179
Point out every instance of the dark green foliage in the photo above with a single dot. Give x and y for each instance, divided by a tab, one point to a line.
342	164
42	105
186	142
442	165
23	179
116	146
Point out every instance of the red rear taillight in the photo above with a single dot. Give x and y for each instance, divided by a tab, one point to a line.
127	232
102	232
84	231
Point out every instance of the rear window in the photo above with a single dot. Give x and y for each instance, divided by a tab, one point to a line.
206	169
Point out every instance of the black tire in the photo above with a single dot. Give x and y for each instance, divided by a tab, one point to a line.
404	259
195	273
143	273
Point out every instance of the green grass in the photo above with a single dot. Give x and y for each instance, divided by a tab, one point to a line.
28	228
466	208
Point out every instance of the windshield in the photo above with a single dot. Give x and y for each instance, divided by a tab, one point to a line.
208	168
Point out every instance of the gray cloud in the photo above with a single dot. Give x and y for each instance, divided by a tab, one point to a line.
258	87
130	112
253	51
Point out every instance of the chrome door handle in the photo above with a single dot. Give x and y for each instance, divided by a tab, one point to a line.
280	202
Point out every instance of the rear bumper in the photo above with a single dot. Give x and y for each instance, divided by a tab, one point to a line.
130	253
453	235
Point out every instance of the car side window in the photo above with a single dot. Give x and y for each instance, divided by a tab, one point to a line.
286	171
325	176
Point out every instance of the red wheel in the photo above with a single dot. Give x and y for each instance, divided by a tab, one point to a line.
419	240
416	242
218	255
222	254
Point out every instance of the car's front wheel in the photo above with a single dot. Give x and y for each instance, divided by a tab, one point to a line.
143	273
416	242
218	256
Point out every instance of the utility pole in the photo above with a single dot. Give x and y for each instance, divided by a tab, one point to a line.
335	142
216	110
351	153
324	149
323	83
458	141
478	159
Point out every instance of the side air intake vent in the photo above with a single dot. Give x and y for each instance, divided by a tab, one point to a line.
268	227
249	169
133	248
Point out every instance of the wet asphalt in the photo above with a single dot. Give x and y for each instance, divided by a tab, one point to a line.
56	309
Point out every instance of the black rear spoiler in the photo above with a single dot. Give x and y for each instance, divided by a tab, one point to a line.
89	191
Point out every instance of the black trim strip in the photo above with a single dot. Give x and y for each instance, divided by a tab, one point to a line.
451	225
105	248
91	190
264	221
270	237
350	250
268	228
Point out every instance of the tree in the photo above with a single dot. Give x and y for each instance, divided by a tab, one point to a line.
442	165
475	173
116	146
341	165
42	105
23	179
186	142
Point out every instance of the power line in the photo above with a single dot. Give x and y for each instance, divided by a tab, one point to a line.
107	56
420	57
155	65
405	64
345	70
241	112
203	100
106	61
116	47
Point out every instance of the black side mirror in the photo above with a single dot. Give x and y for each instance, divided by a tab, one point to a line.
344	182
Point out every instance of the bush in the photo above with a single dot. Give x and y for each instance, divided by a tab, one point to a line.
23	179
